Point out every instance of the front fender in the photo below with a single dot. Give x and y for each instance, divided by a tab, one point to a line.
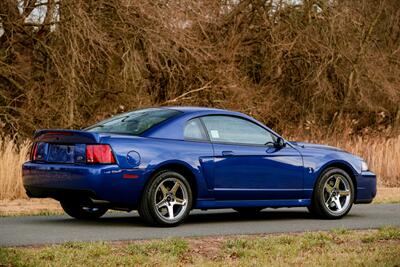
316	163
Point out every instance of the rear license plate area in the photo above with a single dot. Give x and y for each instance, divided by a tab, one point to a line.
61	153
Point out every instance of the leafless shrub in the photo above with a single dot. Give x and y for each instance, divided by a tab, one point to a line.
328	62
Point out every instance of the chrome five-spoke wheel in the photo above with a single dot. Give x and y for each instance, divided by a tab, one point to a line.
171	199
337	193
333	194
167	200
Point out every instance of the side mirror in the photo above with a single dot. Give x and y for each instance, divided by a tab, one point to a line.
280	142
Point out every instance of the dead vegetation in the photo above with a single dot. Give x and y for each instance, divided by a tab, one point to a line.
317	65
319	70
12	157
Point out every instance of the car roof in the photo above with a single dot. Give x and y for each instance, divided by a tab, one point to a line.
173	128
192	109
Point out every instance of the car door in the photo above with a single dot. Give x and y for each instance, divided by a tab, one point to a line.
195	133
247	165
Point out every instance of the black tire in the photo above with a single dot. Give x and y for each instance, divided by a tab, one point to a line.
248	211
318	206
147	207
82	212
311	209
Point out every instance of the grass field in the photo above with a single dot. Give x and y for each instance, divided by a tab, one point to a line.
334	248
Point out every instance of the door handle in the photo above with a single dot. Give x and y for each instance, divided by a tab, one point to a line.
228	153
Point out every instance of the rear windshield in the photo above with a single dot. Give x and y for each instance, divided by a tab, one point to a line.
133	123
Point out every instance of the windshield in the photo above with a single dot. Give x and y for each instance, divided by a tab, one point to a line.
133	123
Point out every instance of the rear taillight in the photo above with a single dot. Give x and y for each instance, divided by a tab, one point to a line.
99	154
34	149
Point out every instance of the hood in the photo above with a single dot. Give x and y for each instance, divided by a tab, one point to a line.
316	146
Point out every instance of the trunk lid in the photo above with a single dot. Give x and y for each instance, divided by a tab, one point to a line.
66	136
62	146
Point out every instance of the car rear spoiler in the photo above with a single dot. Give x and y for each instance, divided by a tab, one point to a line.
65	136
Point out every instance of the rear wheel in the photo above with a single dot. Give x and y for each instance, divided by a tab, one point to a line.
333	194
82	211
167	199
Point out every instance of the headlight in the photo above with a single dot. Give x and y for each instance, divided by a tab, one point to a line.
364	166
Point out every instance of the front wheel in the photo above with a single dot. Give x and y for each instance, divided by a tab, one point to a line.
167	199
82	211
333	194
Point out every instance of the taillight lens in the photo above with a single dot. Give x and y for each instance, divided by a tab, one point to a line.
99	154
34	149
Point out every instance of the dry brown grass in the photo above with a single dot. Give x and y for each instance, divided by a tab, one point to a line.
387	195
11	159
381	154
29	207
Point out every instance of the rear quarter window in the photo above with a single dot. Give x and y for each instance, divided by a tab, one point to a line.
133	123
194	131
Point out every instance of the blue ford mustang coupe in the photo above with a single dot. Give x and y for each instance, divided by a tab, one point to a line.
166	161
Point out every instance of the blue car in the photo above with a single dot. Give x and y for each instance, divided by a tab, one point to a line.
167	161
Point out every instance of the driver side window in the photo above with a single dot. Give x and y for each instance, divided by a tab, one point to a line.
228	129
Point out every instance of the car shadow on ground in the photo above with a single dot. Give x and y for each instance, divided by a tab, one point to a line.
267	215
197	217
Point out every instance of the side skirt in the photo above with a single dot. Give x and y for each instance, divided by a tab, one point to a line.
222	204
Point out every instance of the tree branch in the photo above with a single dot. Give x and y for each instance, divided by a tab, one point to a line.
206	86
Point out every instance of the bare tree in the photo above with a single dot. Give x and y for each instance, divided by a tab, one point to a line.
313	65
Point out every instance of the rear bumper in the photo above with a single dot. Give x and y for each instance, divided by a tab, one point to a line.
366	188
100	182
59	193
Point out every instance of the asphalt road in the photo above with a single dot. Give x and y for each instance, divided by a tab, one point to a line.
31	230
